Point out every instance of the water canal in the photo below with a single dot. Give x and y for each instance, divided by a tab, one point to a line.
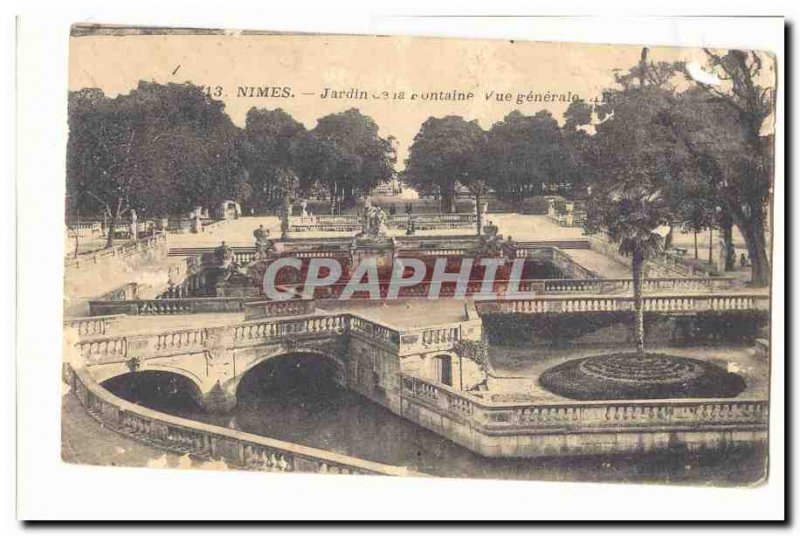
295	399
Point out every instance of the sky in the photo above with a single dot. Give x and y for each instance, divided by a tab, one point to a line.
308	64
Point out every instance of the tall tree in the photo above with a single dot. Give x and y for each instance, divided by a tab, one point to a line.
272	137
694	203
158	150
101	156
442	155
580	148
529	153
727	127
345	156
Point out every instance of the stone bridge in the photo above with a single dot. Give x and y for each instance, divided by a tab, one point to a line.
368	355
401	370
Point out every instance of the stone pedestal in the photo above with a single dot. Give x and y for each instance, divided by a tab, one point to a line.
379	249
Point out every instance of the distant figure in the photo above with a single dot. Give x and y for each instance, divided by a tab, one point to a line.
509	248
410	228
743	262
134	225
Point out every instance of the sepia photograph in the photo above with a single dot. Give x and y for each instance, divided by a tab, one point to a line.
496	259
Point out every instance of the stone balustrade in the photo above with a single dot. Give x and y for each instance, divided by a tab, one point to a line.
434	252
345	223
595	296
564	416
91	326
532	248
255	333
429	339
121	251
272	309
374	331
105	349
603	286
350	223
430	222
80	225
120	348
184	436
550	287
169	306
101	350
244	258
688	303
185	341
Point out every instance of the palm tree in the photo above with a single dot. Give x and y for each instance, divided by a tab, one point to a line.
632	218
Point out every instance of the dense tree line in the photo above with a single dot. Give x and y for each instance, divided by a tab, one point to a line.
164	149
517	157
649	155
157	150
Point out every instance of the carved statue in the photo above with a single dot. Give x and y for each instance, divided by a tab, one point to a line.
376	222
224	255
379	221
364	209
261	235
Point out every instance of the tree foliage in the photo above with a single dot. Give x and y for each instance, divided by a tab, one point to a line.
160	149
272	141
726	129
442	155
528	153
345	157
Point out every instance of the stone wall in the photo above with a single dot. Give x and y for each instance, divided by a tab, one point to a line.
570	428
666	266
184	436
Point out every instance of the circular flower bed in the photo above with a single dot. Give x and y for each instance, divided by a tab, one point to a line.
632	376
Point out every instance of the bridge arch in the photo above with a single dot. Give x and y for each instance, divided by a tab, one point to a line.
159	388
106	372
288	369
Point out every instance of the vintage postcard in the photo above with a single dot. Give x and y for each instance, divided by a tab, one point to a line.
352	254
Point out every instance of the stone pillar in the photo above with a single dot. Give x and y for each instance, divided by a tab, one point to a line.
219	394
218	400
